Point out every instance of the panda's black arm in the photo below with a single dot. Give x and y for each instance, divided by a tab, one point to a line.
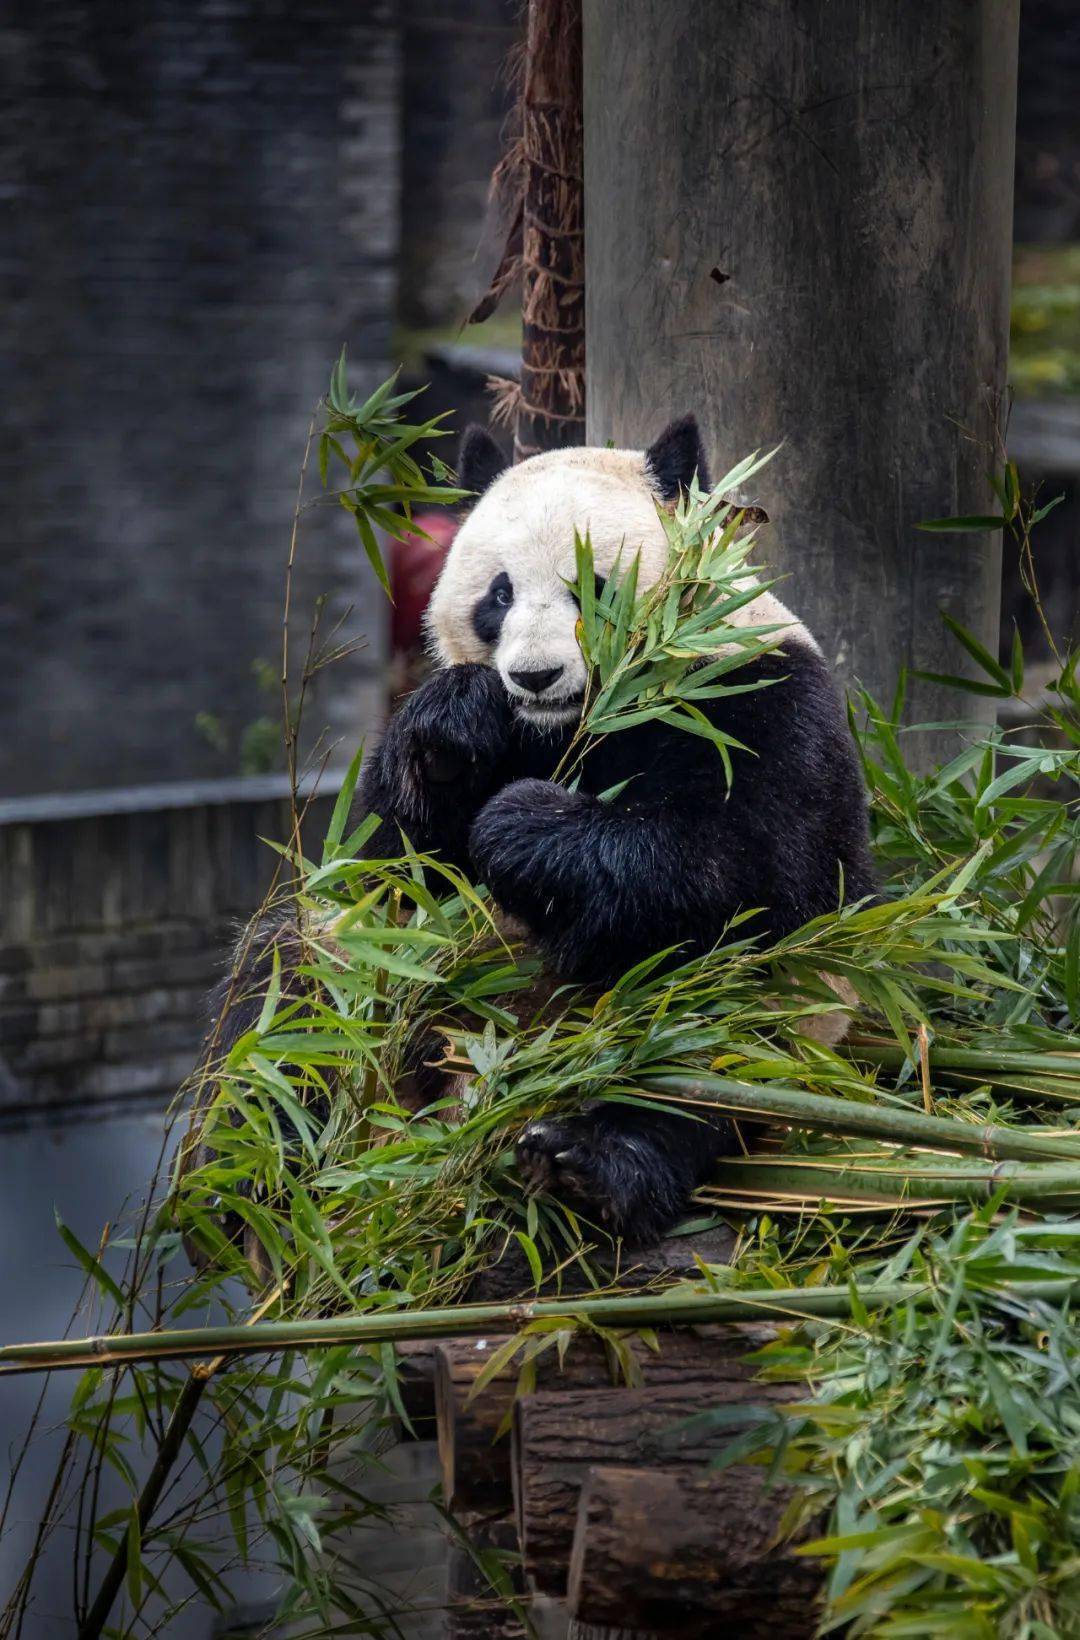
445	751
601	885
674	857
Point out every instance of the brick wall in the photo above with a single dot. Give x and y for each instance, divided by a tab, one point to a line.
116	921
200	206
201	202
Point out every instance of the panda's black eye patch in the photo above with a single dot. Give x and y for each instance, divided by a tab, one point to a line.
489	612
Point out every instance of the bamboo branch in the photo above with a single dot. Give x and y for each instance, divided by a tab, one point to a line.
805	1181
969	1061
848	1118
683	1305
183	1413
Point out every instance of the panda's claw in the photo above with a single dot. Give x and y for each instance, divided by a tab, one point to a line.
615	1178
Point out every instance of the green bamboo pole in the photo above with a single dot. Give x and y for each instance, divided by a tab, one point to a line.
818	1180
686	1306
848	1118
1033	1063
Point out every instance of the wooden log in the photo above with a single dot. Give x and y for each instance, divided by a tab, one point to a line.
416	1383
557	1438
474	1609
476	1461
678	1551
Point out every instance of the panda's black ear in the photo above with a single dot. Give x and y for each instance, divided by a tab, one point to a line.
480	461
675	457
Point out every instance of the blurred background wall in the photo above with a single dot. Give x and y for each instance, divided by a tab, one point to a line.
203	201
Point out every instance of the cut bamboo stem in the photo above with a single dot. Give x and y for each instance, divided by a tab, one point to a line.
972	1060
823	1113
813	1179
680	1306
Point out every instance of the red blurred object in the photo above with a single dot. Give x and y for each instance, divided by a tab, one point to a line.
415	563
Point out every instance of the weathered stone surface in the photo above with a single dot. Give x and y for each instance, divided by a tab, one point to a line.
114	927
180	263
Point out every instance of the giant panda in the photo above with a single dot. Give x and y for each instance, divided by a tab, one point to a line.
465	769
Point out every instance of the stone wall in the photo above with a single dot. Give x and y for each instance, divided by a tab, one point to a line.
117	919
200	208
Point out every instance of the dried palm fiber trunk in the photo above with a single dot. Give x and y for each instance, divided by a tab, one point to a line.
546	242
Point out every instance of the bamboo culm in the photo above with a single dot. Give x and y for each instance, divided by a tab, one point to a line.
753	1181
685	1306
849	1118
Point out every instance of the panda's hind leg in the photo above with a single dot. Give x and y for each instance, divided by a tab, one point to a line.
630	1171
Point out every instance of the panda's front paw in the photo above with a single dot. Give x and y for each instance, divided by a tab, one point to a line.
520	844
456	726
624	1182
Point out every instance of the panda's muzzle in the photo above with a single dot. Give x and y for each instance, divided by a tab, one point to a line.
537	683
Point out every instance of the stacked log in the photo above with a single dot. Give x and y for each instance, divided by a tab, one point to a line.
615	1507
416	1386
558	1438
476	1462
475	1610
605	1504
663	1547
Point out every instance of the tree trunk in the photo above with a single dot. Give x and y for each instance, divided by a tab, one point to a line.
673	1550
551	406
800	229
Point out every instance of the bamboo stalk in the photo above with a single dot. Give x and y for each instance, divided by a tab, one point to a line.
1033	1063
823	1113
813	1179
683	1305
183	1414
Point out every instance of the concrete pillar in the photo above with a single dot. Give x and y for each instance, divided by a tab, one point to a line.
799	227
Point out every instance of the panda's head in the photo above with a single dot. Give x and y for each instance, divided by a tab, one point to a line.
502	598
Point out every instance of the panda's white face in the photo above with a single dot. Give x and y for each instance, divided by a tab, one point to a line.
502	598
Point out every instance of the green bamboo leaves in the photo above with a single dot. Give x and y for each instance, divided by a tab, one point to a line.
658	655
383	482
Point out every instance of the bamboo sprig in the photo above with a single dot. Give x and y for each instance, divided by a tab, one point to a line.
684	1304
822	1113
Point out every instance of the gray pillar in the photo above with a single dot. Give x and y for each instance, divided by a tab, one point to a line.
799	227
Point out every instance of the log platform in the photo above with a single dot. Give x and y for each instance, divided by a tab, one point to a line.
600	1504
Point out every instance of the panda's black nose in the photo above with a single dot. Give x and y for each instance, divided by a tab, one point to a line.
537	682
